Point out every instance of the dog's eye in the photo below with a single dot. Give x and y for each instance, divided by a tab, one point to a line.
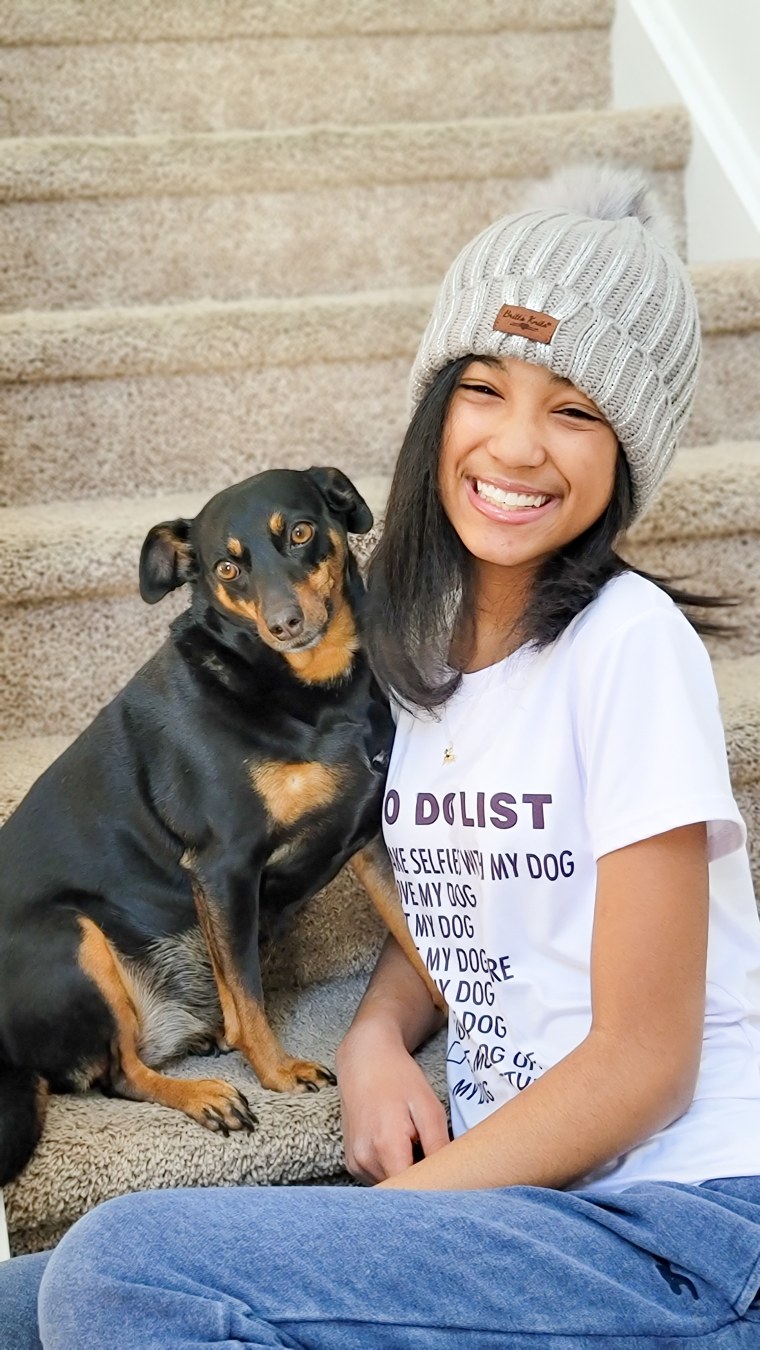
301	533
227	570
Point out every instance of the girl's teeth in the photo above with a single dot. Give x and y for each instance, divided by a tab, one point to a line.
512	500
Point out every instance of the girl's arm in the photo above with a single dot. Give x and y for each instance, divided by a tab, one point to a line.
387	1102
636	1070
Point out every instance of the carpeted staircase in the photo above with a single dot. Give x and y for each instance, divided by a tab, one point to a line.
220	232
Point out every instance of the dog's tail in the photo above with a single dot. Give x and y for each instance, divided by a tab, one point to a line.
23	1104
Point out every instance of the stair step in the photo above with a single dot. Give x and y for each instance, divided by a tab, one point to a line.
68	21
84	550
74	628
112	402
23	758
142	87
709	492
120	220
702	533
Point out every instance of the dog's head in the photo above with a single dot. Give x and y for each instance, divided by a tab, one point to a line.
268	554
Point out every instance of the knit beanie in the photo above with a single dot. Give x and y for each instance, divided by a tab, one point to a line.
589	285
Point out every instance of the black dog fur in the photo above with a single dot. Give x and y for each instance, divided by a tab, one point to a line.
229	781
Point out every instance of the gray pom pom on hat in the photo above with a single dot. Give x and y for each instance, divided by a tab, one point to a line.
588	284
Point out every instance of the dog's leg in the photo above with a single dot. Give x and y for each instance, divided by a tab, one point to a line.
210	1102
373	869
246	1027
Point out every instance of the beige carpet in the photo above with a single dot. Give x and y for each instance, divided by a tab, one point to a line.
219	230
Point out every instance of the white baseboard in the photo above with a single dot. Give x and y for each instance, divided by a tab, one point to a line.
656	60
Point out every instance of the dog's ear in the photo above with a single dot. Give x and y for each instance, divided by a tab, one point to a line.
343	499
166	559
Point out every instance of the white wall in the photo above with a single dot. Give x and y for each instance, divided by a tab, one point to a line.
704	54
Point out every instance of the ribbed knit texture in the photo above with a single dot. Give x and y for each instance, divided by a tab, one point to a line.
628	331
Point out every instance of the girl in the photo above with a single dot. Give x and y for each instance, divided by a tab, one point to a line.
572	864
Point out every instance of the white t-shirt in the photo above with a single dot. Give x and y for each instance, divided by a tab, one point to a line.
610	735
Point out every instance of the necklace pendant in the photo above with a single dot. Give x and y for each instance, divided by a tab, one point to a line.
448	755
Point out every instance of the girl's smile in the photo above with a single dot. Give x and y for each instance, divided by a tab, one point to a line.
527	464
507	501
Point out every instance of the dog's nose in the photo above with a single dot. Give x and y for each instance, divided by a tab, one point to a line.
288	623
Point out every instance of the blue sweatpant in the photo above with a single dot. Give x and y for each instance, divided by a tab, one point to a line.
321	1268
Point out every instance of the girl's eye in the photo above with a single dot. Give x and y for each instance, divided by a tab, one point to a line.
227	570
479	388
302	533
579	412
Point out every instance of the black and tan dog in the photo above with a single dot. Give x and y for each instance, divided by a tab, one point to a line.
228	782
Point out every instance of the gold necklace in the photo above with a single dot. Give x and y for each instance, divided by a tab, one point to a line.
493	673
449	753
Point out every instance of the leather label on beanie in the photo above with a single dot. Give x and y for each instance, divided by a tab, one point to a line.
529	323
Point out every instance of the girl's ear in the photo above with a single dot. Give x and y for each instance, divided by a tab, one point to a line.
343	499
166	559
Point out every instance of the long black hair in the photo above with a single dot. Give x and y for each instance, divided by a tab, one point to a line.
421	578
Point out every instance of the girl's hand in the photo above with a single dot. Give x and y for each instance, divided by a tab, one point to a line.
387	1104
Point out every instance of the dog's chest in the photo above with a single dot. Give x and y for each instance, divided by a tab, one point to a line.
292	789
326	798
323	768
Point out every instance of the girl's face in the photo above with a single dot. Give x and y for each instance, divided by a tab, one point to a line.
527	464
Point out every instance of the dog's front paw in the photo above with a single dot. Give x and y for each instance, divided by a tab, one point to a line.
218	1106
302	1075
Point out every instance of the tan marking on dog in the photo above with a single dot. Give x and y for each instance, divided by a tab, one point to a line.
214	937
321	581
324	579
333	658
196	1097
373	869
180	546
246	1027
329	573
235	547
288	850
243	609
290	791
41	1099
277	522
339	547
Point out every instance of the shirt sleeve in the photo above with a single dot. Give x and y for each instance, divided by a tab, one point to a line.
650	736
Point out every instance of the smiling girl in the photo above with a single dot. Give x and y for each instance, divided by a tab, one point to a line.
558	808
572	864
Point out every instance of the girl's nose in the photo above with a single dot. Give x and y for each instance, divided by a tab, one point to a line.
517	439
